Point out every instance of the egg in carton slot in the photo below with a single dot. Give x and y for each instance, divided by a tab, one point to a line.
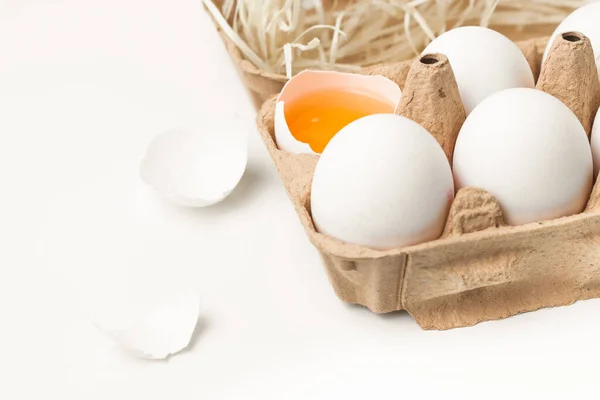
481	268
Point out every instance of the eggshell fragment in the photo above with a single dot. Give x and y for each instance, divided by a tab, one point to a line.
484	62
383	181
307	82
194	166
162	331
529	151
585	19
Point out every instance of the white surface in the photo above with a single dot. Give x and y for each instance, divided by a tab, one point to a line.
360	185
84	86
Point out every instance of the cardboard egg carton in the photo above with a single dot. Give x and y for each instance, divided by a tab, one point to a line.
480	269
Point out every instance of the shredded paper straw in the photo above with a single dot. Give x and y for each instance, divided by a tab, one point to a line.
284	37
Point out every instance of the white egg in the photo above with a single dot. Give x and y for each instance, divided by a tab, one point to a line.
528	150
484	62
595	141
383	181
586	20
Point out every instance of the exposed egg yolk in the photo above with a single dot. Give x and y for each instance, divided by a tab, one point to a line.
315	119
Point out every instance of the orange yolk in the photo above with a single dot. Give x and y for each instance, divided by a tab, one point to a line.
315	119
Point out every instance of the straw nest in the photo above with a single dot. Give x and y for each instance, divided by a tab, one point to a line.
283	37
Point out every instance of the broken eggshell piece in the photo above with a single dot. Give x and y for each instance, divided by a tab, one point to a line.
315	83
196	166
158	332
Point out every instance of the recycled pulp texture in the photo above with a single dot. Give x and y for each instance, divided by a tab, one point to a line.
479	270
438	109
567	74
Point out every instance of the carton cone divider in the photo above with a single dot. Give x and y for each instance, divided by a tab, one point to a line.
431	98
593	204
473	210
570	74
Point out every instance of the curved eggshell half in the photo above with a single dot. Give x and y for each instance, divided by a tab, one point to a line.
196	166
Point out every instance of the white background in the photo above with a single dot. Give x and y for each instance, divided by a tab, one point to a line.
84	86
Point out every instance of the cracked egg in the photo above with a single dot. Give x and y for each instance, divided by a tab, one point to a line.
315	105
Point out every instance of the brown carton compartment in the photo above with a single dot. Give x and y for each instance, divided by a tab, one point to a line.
479	270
